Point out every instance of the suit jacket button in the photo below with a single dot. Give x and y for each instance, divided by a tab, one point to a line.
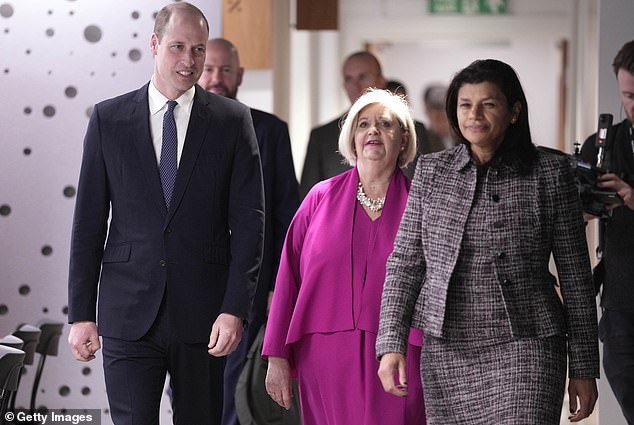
168	230
506	281
496	198
162	262
498	224
501	255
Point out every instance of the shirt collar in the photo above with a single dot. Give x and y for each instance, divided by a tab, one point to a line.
157	100
464	160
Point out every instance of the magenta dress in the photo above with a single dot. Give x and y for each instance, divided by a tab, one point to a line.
333	355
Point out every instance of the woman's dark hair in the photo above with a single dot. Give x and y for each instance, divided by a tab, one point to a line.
517	149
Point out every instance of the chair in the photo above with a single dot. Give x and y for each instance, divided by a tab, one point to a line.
47	345
30	335
11	360
12	341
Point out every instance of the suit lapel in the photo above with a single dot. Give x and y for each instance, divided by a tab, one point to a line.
196	130
140	122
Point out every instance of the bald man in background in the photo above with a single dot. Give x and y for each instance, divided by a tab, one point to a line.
222	75
361	70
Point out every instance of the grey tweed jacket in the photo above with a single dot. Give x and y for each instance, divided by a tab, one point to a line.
531	216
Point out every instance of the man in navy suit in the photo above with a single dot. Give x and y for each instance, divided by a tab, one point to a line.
222	74
179	267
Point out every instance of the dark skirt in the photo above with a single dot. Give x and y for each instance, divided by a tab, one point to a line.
521	381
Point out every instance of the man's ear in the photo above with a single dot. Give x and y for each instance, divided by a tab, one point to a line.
240	74
154	43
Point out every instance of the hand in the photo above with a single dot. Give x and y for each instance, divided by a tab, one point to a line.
393	374
84	340
269	300
588	217
624	190
585	390
278	381
225	336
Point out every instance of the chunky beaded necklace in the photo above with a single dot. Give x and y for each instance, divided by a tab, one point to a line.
373	204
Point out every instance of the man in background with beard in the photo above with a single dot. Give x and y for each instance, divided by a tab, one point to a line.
222	75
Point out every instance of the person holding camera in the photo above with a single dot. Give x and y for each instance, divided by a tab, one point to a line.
616	328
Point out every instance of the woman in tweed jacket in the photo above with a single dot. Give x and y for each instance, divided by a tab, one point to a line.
470	268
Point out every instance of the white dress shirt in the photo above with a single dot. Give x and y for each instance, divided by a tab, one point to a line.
182	112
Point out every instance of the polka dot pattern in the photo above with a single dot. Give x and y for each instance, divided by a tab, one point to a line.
92	33
70	91
49	111
69	191
6	10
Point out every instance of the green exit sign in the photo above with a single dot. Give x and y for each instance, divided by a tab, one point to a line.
468	7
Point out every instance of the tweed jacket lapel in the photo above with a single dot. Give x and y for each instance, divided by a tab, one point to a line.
452	186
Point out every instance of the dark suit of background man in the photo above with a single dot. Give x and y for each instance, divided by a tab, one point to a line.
222	74
177	273
616	328
361	70
438	128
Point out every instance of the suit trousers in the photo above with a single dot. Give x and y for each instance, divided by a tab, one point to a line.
616	331
135	376
233	369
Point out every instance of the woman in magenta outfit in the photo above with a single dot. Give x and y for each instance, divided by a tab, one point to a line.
324	316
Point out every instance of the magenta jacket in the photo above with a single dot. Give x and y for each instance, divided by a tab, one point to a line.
313	291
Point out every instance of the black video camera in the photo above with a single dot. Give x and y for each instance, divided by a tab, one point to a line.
595	200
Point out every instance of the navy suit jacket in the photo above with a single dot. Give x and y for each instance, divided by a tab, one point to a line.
202	255
282	199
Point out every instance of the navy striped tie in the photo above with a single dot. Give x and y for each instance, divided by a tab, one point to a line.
168	164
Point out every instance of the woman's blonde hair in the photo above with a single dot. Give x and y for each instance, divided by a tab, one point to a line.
395	104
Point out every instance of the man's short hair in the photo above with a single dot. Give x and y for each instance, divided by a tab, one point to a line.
396	87
624	59
434	96
164	15
364	54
